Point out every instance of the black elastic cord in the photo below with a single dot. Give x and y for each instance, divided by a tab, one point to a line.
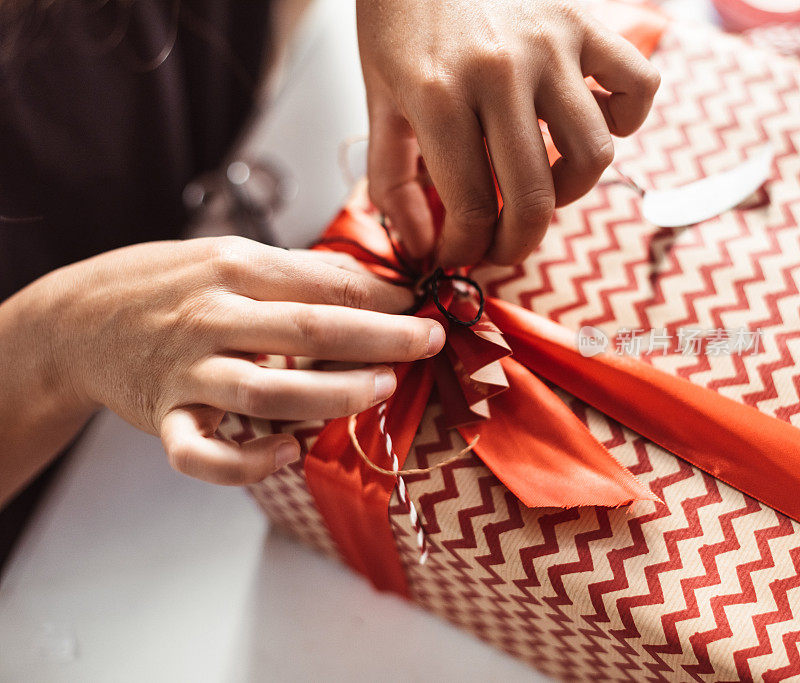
431	286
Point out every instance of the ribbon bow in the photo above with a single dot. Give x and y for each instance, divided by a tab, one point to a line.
488	380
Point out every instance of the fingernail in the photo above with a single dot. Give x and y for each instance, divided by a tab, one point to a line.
435	340
384	385
286	453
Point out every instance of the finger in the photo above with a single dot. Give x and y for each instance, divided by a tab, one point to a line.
239	386
339	259
188	435
454	150
328	332
621	69
579	132
269	274
523	173
393	180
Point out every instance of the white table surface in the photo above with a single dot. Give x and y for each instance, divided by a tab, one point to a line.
131	572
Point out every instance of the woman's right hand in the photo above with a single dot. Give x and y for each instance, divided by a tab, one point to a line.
165	333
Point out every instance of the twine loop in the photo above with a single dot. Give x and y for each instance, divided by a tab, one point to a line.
351	430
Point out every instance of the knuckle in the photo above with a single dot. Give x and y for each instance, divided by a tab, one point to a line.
228	257
198	316
573	14
645	79
353	291
250	396
475	216
434	89
598	155
352	402
499	62
312	329
560	31
234	474
651	80
535	207
569	19
377	189
359	396
382	185
550	47
180	456
510	258
412	343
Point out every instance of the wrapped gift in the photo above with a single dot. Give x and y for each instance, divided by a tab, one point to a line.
600	473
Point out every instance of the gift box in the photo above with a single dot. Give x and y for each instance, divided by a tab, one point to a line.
628	509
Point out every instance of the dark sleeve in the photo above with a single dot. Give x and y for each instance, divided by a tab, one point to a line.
99	134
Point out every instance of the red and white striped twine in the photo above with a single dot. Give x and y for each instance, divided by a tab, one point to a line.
402	492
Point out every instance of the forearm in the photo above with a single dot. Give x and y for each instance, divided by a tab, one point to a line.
39	412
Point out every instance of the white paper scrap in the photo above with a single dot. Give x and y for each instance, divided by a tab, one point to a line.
709	197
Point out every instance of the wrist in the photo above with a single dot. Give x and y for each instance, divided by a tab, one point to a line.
47	311
40	410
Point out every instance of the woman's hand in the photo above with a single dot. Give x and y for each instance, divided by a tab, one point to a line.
165	335
443	76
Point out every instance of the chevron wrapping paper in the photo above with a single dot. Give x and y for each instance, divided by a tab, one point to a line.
704	586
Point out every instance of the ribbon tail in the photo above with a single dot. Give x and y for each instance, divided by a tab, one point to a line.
756	453
544	454
352	498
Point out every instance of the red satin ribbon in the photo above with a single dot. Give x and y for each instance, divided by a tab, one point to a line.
544	454
354	499
755	453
